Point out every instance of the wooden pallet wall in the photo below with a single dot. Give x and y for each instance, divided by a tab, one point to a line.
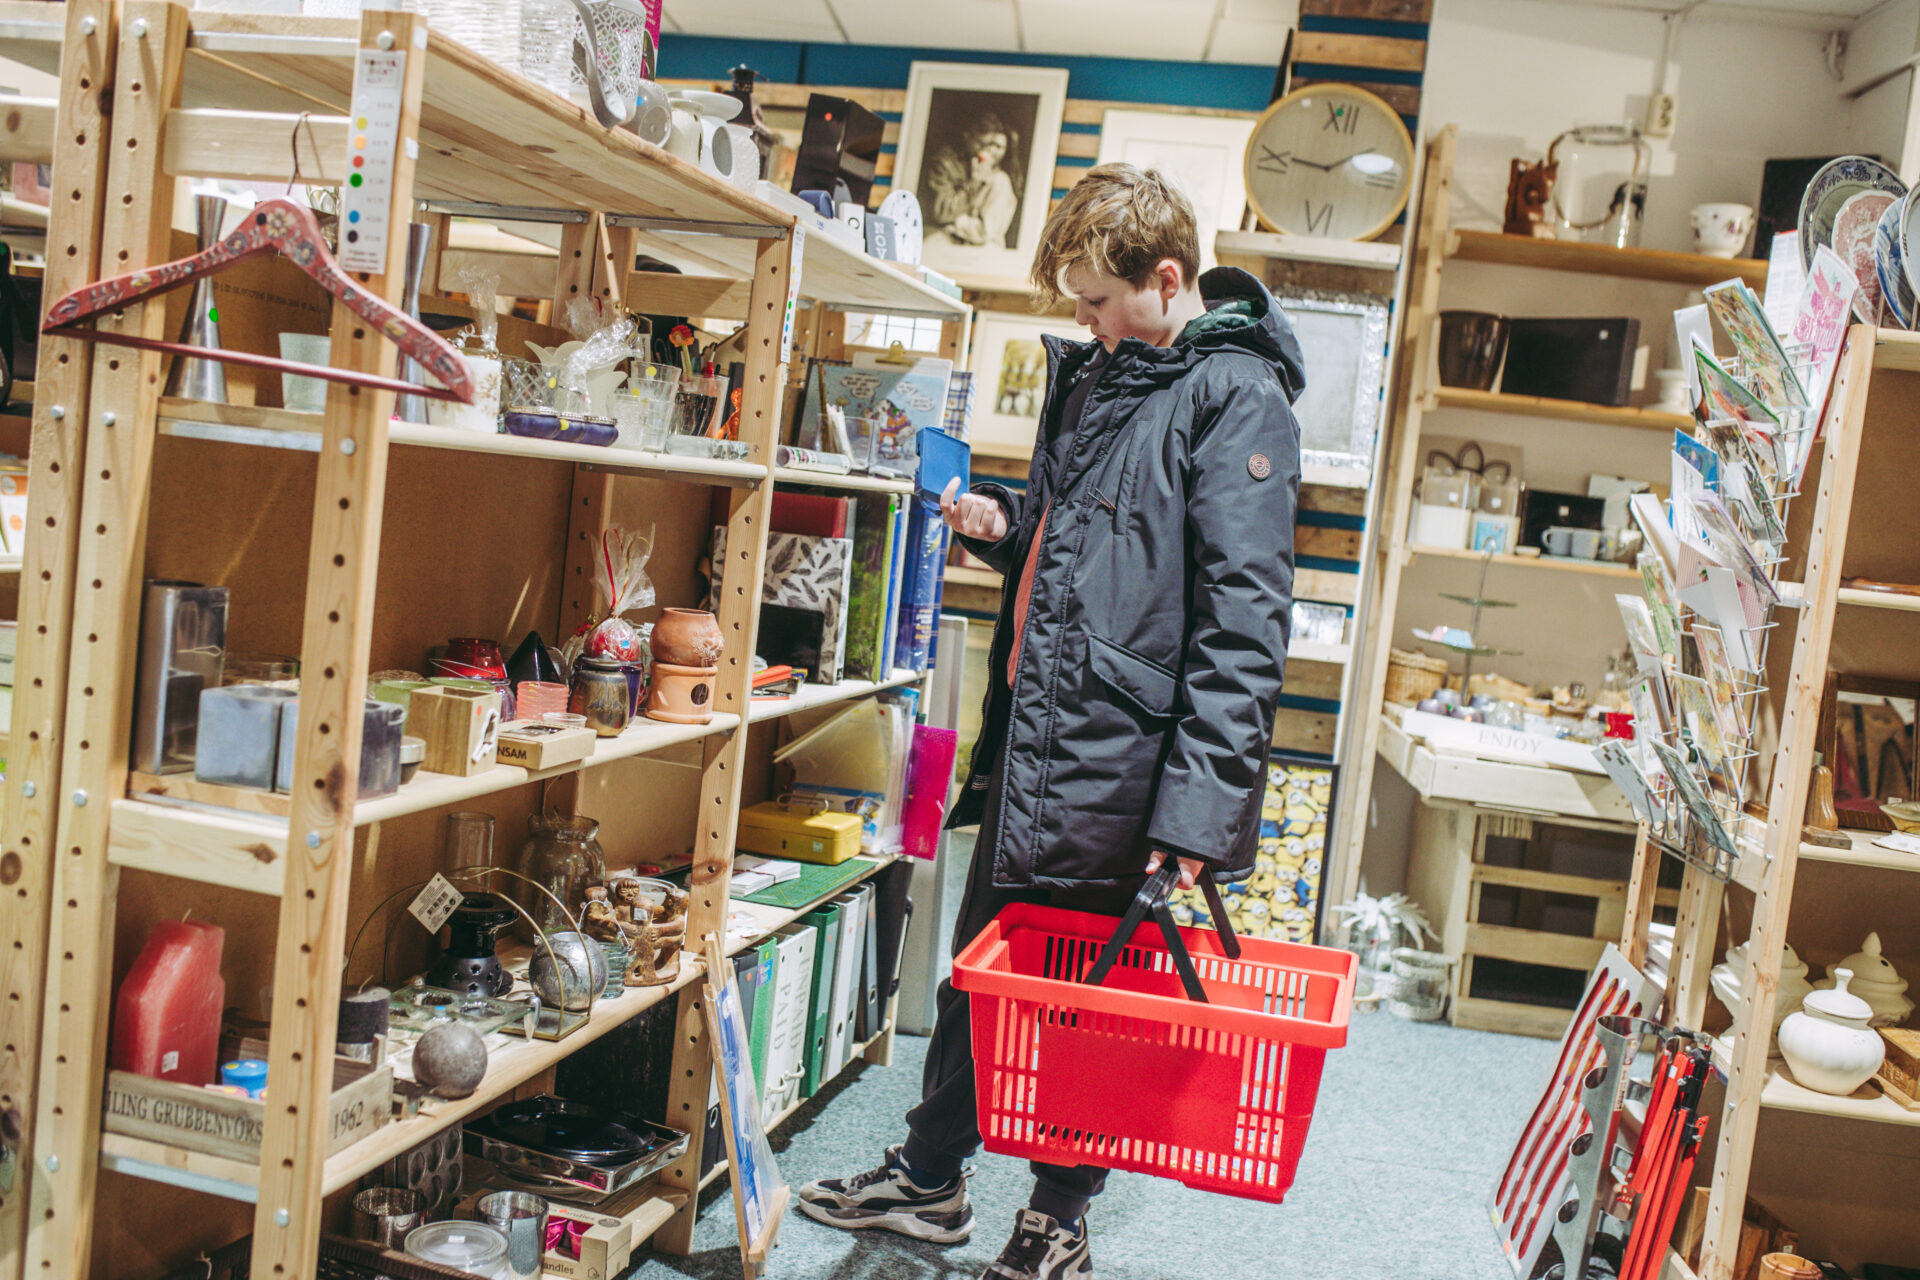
1378	45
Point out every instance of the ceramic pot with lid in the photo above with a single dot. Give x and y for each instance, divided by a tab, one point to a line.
687	638
1876	982
1828	1044
1729	983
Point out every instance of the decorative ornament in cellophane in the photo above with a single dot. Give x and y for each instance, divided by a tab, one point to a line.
622	574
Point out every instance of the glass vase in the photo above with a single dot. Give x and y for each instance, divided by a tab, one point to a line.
563	856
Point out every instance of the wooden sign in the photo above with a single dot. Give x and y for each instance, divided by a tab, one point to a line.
196	1119
759	1193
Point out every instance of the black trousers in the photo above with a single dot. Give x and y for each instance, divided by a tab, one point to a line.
944	1130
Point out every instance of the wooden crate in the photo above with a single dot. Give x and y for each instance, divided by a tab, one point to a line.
197	1119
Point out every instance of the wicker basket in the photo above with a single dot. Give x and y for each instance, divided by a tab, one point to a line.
1413	676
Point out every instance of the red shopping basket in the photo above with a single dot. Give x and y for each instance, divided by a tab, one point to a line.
1086	1050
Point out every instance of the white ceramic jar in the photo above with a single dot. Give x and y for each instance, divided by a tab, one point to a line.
1828	1044
1729	983
1876	982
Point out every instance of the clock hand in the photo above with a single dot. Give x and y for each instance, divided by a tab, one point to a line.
1324	168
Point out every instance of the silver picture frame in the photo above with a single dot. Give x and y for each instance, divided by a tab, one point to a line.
1344	340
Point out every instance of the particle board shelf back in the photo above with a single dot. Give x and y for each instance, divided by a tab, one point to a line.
1690	270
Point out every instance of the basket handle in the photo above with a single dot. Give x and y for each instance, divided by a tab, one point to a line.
1152	898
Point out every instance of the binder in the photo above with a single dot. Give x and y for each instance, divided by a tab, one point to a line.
846	975
786	1049
866	1019
713	1146
760	1022
825	922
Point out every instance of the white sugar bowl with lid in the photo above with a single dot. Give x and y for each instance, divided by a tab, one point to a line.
1875	981
1828	1044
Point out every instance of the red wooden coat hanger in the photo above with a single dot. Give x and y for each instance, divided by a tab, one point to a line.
289	229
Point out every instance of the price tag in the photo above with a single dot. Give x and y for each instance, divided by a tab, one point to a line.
366	202
435	903
795	254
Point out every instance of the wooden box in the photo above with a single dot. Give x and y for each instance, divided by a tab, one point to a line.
1899	1075
461	728
533	745
196	1119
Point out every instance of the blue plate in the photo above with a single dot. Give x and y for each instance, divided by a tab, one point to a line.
1890	266
1838	182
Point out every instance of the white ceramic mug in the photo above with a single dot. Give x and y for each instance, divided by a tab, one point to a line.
684	141
1721	230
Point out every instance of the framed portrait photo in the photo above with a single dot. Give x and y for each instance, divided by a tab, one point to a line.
1344	340
977	146
1203	155
1010	378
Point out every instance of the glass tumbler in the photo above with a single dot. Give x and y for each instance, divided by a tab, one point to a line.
696	416
470	843
644	408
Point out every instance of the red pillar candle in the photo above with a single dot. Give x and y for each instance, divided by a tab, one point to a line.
166	1021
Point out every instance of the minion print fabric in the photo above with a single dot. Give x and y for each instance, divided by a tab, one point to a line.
1281	899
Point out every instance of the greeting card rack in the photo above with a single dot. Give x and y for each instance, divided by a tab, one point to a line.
355	541
1835	1169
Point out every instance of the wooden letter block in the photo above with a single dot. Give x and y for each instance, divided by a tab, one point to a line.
461	728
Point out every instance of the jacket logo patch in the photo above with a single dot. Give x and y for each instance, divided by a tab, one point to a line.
1258	467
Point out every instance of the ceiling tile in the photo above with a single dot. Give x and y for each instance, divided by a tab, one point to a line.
758	19
1282	12
1174	30
963	24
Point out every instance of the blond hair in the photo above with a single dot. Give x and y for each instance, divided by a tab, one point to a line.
1119	220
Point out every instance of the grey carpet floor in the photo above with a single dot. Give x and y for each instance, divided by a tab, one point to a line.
1410	1133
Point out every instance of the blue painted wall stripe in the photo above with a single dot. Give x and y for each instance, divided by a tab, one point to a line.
1239	86
1330	566
1333	26
1331	706
1328	71
1330	519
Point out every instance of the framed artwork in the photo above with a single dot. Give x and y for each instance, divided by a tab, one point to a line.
1203	154
977	146
1010	378
1344	339
1867	736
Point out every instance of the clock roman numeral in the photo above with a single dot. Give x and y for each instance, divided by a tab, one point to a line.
1341	118
1387	181
1272	161
1315	220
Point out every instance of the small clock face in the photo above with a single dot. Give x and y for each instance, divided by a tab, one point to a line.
1332	161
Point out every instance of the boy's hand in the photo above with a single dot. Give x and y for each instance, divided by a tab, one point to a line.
1190	868
971	515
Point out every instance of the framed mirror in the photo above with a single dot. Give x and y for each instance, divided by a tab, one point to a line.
1344	339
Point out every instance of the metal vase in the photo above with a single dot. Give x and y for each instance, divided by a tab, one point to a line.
192	377
409	408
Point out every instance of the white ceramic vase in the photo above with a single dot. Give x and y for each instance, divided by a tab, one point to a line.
1828	1044
1876	982
1729	983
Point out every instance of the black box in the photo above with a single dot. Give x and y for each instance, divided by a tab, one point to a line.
1543	509
1783	185
841	142
1590	360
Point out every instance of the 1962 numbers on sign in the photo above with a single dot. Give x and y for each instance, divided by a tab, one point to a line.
1329	160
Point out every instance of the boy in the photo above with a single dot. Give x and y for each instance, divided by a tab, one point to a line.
1142	634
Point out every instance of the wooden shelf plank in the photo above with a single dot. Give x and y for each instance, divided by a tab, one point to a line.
1691	270
1604	569
290	429
1561	410
828	480
1879	600
1368	255
810	696
1783	1093
967	576
507	1069
1896	349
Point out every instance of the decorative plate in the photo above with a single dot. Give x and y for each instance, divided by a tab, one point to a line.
1890	267
1853	230
904	208
1908	246
1837	182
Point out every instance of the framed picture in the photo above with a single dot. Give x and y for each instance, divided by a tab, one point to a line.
1010	378
977	146
1344	340
1204	155
1867	736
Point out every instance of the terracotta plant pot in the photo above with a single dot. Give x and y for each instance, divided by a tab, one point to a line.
687	638
681	695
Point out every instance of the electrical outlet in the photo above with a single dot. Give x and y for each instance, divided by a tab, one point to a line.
1661	110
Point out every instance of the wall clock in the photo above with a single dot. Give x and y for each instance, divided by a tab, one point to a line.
1329	160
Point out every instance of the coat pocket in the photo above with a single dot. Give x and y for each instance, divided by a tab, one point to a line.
1146	684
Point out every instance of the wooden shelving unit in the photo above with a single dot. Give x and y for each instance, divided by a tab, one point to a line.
1849	520
381	567
1562	410
1691	270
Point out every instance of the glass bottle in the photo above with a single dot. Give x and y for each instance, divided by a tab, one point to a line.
470	844
563	855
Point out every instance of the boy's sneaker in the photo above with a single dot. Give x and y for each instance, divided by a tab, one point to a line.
1042	1249
887	1198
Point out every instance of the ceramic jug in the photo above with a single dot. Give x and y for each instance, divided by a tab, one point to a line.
1876	982
1828	1044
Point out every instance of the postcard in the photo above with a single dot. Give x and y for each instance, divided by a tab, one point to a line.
1640	632
1651	516
1694	797
1822	316
1744	483
1724	533
1761	354
1664	606
1652	712
1715	594
1716	668
1725	396
1695	702
1619	763
1694	328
